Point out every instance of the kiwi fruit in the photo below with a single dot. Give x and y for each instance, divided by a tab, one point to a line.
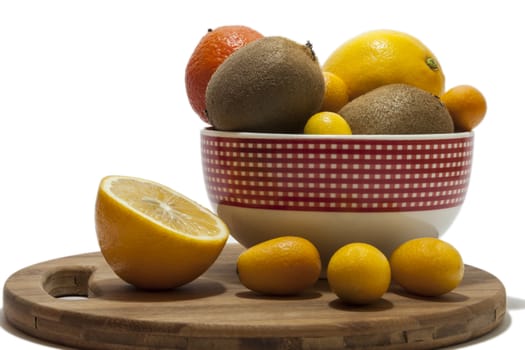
397	109
272	84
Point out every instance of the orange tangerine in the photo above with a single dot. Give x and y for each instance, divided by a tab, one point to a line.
327	123
213	48
285	265
427	266
358	273
467	106
336	93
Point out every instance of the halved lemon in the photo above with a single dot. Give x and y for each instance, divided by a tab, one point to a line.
154	237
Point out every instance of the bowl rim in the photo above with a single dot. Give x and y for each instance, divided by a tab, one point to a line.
209	131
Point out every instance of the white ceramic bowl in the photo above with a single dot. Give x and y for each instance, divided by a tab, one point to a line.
333	190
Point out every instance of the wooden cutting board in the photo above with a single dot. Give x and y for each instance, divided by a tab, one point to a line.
217	312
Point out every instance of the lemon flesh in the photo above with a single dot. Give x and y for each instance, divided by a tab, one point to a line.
165	207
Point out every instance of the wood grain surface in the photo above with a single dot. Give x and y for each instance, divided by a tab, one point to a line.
217	312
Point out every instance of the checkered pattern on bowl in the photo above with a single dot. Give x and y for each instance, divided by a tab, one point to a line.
339	174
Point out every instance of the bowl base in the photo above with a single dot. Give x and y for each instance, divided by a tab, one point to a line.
329	231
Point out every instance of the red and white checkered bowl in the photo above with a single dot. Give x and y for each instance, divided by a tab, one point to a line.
332	190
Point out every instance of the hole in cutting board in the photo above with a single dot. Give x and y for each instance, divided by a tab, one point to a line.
72	297
68	283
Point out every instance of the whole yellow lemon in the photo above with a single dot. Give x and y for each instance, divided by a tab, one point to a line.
382	57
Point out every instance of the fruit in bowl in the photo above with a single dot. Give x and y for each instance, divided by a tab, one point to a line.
274	84
336	189
270	85
365	148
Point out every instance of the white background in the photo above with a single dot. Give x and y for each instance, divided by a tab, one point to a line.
92	88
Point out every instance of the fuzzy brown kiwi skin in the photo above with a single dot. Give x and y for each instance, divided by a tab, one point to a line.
397	109
270	85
